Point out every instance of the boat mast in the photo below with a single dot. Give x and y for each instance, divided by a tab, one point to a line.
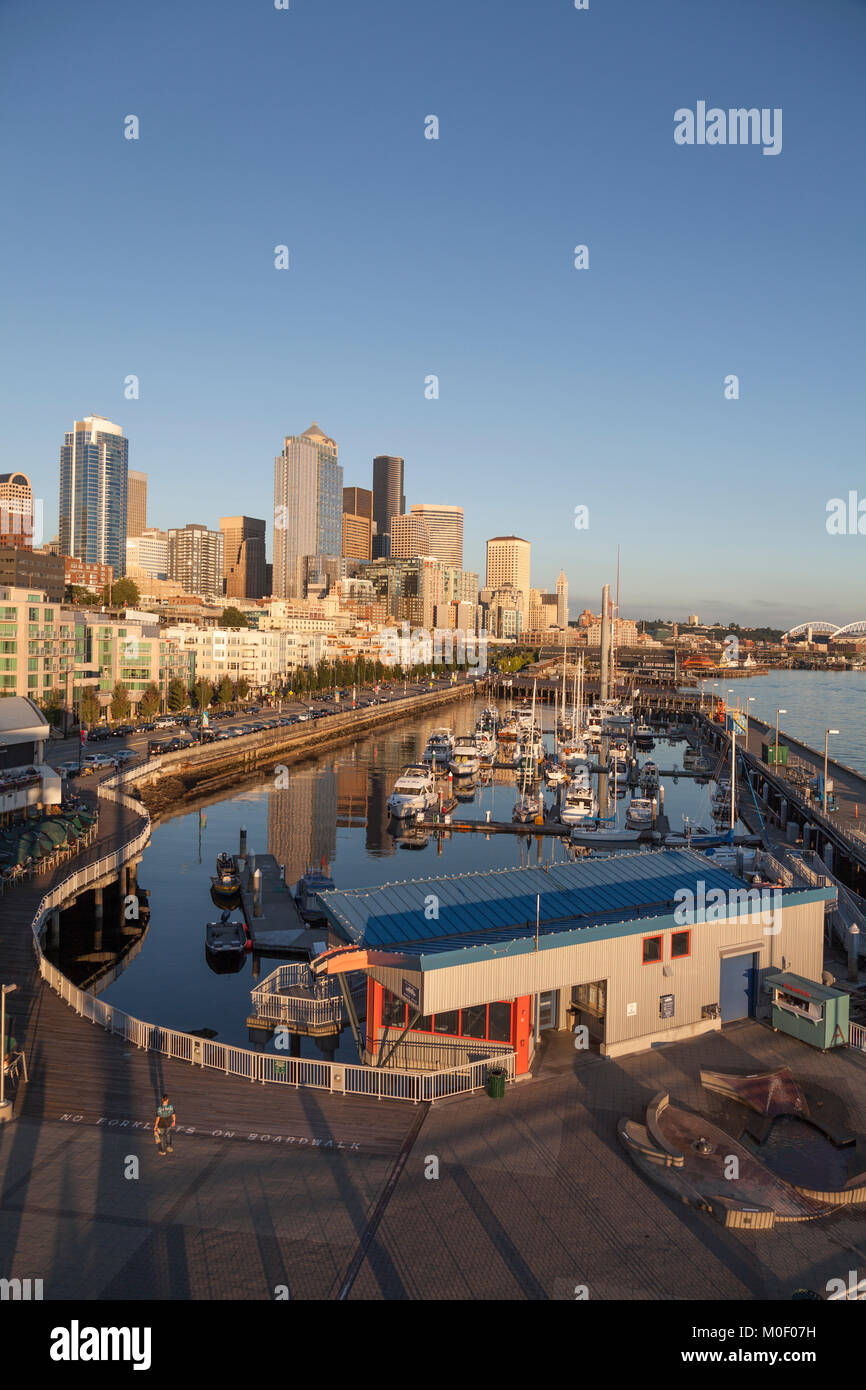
733	775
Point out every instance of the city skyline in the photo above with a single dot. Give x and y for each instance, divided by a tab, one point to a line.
628	375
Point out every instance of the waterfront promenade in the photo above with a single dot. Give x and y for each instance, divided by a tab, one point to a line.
534	1198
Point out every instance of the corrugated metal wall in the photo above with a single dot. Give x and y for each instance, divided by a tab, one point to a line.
693	981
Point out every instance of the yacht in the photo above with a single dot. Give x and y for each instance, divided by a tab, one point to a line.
578	804
464	758
643	736
414	793
488	720
573	752
440	746
554	774
639	813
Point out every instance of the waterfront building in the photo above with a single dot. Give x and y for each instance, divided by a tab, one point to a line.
357	523
243	556
16	511
33	569
623	629
135	651
195	559
147	554
93	492
444	525
308	507
136	503
39	643
637	950
389	500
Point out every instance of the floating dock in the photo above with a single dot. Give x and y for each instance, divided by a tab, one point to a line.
276	927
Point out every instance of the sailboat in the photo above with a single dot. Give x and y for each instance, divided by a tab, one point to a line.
529	805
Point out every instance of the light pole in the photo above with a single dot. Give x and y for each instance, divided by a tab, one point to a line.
5	1105
827	733
776	744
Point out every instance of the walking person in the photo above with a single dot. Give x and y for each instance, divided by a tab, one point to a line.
163	1125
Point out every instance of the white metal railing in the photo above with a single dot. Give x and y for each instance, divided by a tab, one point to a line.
264	1067
427	1052
857	1036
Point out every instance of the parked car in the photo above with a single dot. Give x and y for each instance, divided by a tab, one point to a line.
155	746
165	721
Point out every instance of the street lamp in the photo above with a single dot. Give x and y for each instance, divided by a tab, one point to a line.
776	744
827	733
5	1105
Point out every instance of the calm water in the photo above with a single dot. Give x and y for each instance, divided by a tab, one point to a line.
333	810
815	701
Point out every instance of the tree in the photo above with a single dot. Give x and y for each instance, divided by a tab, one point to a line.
233	617
242	689
124	593
177	697
226	691
149	703
88	707
52	706
202	692
119	701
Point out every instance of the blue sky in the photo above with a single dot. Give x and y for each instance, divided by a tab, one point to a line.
412	257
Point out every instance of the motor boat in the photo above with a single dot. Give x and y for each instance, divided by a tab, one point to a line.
313	882
414	793
532	752
488	721
639	813
226	938
440	746
643	736
578	804
618	749
649	776
554	774
573	751
508	732
464	758
485	745
225	887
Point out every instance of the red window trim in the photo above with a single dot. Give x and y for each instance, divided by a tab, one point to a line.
682	955
655	936
433	1034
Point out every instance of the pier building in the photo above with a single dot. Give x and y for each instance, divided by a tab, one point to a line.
635	949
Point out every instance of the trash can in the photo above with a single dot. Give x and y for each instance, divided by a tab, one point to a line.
496	1082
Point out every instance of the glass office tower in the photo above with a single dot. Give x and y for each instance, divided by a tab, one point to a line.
93	493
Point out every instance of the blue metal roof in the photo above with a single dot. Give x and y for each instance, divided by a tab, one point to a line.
477	908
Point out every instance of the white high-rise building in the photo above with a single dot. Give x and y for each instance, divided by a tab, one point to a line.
508	564
562	600
445	529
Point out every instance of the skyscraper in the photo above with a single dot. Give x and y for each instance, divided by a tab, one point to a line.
562	600
445	528
16	511
195	559
409	536
508	563
93	484
357	523
136	503
388	499
308	507
243	556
